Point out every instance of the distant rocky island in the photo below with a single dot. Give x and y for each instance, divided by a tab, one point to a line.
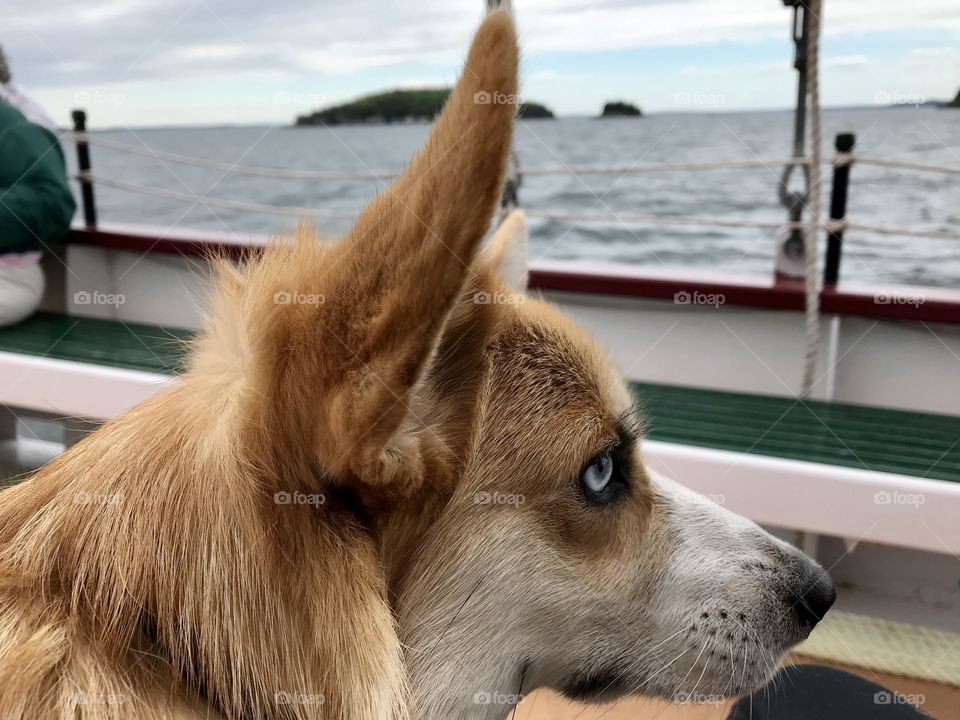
403	106
955	103
620	109
534	111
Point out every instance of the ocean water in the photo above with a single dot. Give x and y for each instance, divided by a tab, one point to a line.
878	196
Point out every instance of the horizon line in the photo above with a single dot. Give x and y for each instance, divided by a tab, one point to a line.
936	104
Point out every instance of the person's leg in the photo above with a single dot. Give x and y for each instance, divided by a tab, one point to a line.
21	290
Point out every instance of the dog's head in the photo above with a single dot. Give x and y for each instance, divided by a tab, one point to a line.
560	561
499	460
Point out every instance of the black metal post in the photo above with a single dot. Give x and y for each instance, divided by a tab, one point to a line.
838	208
83	164
801	34
791	251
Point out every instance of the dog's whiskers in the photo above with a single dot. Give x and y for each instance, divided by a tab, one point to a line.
636	663
743	672
690	669
703	672
646	683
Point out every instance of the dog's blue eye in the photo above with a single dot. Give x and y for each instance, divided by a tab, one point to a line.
597	475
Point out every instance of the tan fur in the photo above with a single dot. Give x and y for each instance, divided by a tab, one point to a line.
158	536
309	524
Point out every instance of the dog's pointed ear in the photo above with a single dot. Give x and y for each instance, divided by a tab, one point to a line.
404	266
507	253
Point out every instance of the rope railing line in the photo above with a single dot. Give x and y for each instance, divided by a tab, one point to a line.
535	171
165	155
572	216
843	158
629	168
906	232
575	169
906	165
585	168
657	219
705	221
812	320
218	202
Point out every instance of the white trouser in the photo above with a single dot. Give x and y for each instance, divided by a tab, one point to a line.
21	289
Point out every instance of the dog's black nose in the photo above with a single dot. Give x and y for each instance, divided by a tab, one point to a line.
816	596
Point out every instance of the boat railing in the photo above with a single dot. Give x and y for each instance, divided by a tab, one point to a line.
834	226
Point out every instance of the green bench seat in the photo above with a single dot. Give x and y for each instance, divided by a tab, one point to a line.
856	436
110	343
864	437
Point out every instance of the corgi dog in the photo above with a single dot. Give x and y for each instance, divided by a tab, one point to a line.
389	485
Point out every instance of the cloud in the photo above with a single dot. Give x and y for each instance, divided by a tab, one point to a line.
545	76
157	48
845	61
936	53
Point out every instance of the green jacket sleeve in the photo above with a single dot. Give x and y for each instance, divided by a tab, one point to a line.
36	205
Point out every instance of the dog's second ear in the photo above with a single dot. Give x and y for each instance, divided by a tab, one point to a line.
403	267
507	255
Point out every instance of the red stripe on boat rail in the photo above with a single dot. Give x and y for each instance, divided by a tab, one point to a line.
901	302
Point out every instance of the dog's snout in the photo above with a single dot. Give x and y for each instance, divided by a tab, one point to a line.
815	597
